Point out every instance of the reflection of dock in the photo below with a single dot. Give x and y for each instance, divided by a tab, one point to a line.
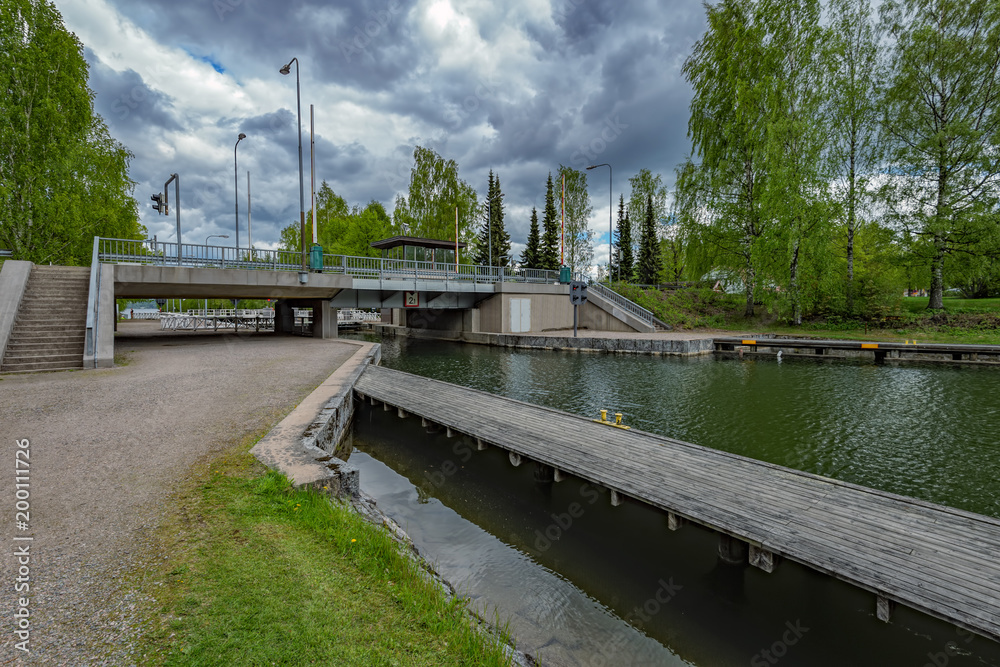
939	560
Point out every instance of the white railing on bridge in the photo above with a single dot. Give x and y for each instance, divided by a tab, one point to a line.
124	251
200	319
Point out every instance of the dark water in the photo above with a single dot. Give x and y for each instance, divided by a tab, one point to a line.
583	583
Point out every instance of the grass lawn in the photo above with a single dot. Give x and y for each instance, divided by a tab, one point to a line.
258	573
916	304
964	321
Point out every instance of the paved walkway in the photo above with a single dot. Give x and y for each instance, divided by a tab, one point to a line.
106	450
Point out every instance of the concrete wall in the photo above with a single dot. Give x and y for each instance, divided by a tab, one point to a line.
597	319
104	353
13	281
550	310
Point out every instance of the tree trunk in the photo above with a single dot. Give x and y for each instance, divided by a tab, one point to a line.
793	286
851	220
937	276
748	287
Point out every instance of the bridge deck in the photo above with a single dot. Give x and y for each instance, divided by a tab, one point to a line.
936	559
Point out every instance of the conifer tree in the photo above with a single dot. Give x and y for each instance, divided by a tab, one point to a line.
493	238
624	266
530	257
650	264
549	251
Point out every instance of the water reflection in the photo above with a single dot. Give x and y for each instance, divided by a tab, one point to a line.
922	431
584	583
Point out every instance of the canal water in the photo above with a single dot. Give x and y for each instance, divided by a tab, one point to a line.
584	583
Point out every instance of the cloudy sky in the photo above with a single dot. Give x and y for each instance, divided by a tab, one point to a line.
519	86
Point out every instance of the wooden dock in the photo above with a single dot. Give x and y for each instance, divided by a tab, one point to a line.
879	351
940	560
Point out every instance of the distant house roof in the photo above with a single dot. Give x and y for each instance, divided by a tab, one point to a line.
415	242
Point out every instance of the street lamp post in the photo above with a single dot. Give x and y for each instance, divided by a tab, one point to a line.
236	180
611	208
287	69
215	236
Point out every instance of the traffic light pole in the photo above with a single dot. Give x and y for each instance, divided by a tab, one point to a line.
176	180
575	307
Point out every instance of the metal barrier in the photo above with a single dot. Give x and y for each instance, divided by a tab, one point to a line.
125	251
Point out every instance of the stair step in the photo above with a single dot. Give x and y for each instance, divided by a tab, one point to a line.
63	357
44	347
55	338
34	367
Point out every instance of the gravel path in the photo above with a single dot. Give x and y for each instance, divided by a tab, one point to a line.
105	449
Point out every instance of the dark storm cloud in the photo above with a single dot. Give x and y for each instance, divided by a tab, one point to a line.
125	101
597	81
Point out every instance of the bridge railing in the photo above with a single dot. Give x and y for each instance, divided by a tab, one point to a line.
125	251
627	305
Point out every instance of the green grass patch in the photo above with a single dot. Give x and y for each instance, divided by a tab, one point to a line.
963	321
917	304
259	573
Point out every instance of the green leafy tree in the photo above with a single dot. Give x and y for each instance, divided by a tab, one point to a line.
530	258
796	131
942	113
549	252
435	192
857	149
723	194
493	237
650	265
63	178
579	237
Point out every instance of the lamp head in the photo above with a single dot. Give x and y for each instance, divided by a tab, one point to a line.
593	166
241	137
287	69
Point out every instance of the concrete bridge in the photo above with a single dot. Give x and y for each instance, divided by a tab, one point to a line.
430	295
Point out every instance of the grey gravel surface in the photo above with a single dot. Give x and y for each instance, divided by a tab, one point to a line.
106	449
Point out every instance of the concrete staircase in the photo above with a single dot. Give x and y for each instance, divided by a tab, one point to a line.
51	323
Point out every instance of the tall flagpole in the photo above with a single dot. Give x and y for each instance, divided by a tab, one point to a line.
312	170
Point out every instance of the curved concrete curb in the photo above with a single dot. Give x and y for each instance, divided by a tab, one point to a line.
301	445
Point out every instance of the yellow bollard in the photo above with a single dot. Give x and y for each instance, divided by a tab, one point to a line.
604	415
618	419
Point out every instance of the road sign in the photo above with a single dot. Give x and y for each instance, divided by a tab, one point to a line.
411	299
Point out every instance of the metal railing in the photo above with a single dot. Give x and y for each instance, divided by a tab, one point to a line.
124	251
627	305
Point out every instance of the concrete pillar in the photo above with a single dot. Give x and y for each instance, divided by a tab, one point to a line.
324	320
283	317
732	550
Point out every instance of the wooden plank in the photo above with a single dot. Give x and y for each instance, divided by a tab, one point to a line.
938	559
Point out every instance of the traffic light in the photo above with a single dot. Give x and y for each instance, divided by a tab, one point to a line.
158	204
577	292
